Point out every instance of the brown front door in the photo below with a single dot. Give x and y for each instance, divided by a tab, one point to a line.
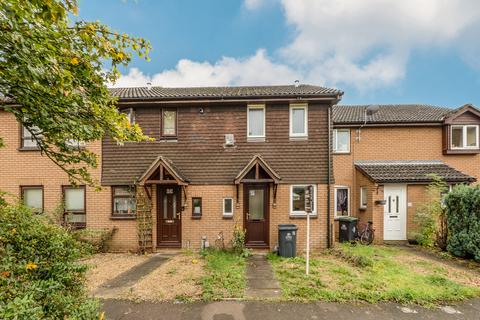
169	222
256	215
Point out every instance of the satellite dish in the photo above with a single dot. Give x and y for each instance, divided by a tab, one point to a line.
371	109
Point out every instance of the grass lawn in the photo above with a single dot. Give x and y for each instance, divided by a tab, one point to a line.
373	274
225	275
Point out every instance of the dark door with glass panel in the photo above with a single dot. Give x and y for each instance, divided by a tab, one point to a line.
256	215
169	222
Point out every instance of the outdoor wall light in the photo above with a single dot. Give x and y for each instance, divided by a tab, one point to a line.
201	111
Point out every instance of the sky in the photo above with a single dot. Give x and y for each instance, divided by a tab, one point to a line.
376	51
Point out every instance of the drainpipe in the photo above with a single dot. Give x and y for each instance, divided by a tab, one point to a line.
329	175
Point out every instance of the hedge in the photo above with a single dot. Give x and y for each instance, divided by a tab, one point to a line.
463	219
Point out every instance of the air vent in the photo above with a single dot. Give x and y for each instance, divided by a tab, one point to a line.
229	139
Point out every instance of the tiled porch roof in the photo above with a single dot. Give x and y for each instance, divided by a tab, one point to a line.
410	171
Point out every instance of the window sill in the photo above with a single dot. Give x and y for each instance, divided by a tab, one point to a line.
255	139
29	149
298	138
303	216
196	217
227	217
461	151
340	152
123	217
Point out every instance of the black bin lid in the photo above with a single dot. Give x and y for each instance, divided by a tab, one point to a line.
346	219
287	227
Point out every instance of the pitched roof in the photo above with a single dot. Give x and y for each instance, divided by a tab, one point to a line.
257	159
390	114
410	171
161	93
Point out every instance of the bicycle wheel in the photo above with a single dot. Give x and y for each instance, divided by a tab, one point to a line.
367	237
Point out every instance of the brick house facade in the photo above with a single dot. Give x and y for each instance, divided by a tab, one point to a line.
226	156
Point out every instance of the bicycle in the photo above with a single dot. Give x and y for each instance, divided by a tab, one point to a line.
367	235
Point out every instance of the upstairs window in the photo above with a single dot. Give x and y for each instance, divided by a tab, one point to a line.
32	197
341	140
130	114
28	141
464	137
256	121
169	122
298	120
74	204
124	203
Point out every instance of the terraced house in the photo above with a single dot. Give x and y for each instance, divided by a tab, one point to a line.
245	155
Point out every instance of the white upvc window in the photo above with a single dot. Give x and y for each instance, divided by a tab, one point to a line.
256	121
298	120
464	137
341	140
363	197
297	200
342	201
227	207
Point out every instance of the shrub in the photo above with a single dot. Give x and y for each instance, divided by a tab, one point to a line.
463	217
430	217
96	240
40	277
238	241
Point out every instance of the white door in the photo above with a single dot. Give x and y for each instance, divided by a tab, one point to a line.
395	212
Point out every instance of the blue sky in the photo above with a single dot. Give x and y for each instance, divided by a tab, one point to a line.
376	51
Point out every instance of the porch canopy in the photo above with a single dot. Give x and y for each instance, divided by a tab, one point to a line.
257	170
162	171
413	172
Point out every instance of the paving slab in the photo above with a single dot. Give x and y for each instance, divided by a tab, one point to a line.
127	279
261	281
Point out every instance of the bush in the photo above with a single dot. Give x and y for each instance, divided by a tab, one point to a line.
40	277
96	240
238	242
463	218
430	217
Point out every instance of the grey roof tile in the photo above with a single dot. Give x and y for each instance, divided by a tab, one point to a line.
163	93
410	171
394	113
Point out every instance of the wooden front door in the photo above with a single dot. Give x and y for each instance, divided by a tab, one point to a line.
256	214
169	221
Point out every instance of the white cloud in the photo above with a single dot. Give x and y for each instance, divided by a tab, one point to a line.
255	70
365	44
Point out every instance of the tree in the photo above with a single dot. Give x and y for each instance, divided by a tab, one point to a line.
53	75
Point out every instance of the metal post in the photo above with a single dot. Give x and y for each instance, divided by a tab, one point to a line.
309	196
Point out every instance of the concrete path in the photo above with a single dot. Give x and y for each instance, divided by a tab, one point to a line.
125	280
261	282
230	310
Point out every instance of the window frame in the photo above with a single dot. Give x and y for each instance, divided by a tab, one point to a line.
362	191
23	138
77	225
162	123
229	214
130	114
303	106
349	208
303	213
123	215
256	107
197	215
27	187
464	136
335	140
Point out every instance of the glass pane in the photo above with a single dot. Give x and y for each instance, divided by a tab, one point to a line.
33	198
124	205
255	122
343	140
471	136
28	140
197	206
227	206
174	211
256	204
298	200
76	218
169	122
364	196
123	191
457	137
342	202
74	199
298	121
165	207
